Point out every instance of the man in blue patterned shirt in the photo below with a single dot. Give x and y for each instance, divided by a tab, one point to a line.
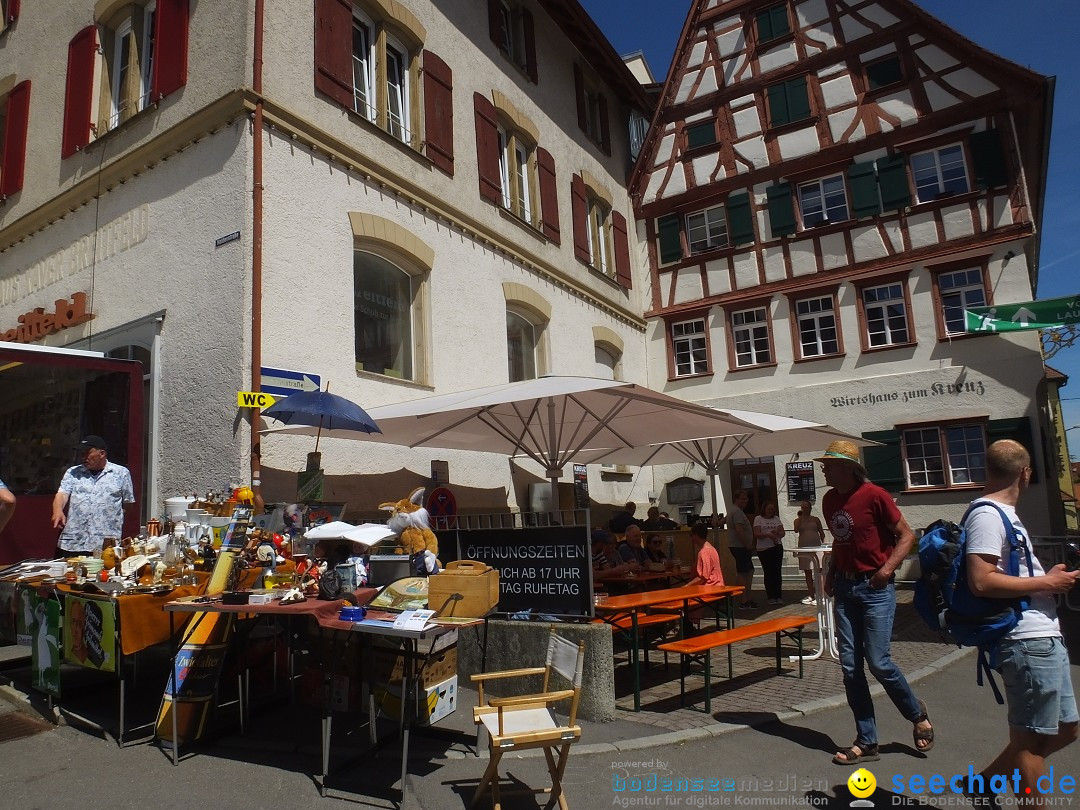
89	505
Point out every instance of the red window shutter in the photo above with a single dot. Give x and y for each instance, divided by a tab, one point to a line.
439	112
14	151
495	26
13	10
528	29
79	91
622	250
605	130
580	208
487	148
171	48
333	50
549	197
579	91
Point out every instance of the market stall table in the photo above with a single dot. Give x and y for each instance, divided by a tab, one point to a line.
631	605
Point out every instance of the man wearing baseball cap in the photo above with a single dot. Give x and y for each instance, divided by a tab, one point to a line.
870	540
89	506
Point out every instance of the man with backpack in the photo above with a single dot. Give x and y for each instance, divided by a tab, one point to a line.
870	539
1031	658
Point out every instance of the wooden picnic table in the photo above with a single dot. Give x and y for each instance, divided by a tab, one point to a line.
631	605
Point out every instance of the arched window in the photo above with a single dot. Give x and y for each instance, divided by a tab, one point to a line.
386	297
521	345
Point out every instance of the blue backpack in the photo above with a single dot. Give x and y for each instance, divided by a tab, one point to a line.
945	601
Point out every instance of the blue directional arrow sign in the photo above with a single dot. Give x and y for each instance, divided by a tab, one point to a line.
281	381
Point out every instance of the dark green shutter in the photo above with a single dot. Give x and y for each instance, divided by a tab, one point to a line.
739	219
781	210
764	26
884	464
862	179
1019	430
698	135
989	159
778	107
798	100
773	23
668	228
893	180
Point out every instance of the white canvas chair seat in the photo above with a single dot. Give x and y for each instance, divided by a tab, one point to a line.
528	721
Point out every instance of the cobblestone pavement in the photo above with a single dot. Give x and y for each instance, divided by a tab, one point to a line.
756	689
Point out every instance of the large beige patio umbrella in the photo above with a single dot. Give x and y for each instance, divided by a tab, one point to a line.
551	420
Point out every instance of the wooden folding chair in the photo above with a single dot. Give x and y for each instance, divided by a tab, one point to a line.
519	723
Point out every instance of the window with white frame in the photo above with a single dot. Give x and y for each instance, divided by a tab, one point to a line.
823	201
598	224
939	172
128	49
959	290
521	346
816	320
945	455
387	303
750	335
382	80
690	349
397	91
885	309
363	53
516	173
706	230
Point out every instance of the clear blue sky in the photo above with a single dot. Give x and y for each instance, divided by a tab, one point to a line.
1039	34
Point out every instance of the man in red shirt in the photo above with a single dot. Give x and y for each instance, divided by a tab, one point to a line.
870	540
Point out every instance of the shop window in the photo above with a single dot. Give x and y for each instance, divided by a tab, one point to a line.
772	23
957	290
751	337
883	72
886	315
823	201
788	101
14	122
592	109
817	326
939	172
512	29
368	59
689	348
388	313
143	50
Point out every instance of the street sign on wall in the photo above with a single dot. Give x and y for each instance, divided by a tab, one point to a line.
1026	315
281	381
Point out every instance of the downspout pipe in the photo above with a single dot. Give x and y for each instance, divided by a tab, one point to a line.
256	247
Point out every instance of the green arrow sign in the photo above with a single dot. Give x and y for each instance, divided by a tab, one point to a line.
1026	315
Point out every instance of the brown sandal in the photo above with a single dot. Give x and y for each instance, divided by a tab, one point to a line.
857	753
925	736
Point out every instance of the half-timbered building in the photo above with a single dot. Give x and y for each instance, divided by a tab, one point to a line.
825	187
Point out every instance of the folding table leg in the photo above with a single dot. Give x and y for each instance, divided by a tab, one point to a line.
708	682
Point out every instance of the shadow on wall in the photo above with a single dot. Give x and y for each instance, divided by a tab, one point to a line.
362	494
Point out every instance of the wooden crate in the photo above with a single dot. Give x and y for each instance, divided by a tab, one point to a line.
476	583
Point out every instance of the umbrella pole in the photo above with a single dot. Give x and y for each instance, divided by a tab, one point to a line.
554	473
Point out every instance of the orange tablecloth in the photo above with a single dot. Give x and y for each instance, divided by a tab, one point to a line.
143	623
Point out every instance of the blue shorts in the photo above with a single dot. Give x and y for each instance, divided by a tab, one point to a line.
1038	687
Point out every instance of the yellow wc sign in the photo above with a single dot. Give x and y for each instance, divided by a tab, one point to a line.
254	399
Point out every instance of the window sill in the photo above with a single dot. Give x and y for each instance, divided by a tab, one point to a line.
371	126
812	359
373	375
522	69
701	151
943	200
826	226
907	345
125	124
760	47
524	224
791	126
884	90
949	338
944	488
755	367
681	377
603	276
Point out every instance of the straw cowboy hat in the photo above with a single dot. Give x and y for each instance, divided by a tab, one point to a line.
842	450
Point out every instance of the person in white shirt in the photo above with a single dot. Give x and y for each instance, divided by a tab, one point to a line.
1032	659
769	536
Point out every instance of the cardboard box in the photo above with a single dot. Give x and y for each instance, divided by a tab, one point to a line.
465	589
433	703
345	692
388	666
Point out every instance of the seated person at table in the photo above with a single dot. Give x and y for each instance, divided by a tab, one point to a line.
657	521
707	568
654	547
631	548
607	564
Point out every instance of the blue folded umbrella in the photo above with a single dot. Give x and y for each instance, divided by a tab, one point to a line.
322	410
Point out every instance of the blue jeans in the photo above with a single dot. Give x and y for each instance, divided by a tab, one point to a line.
864	620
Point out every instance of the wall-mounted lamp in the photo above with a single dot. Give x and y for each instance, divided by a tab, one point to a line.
1010	255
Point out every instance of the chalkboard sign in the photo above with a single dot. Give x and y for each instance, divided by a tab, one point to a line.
546	570
800	481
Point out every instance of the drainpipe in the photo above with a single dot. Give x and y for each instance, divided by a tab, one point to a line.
256	248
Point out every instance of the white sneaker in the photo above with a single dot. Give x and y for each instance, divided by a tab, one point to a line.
809	600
